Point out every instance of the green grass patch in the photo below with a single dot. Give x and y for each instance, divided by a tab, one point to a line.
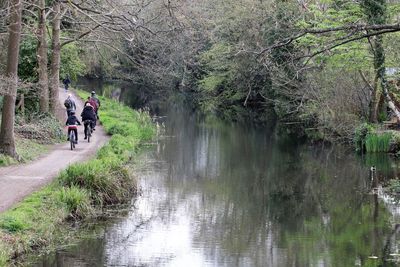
6	160
82	190
375	142
77	201
30	150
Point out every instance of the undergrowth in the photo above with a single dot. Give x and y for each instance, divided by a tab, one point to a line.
82	190
375	142
33	135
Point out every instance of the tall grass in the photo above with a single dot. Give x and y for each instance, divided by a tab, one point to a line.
375	142
76	200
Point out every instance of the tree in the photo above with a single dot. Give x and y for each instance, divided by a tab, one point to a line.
7	143
55	60
338	25
42	58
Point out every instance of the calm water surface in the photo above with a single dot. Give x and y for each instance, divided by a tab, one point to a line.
214	194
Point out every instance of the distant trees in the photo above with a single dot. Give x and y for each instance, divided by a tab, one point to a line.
300	60
294	61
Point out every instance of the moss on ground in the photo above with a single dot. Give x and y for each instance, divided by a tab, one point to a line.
82	190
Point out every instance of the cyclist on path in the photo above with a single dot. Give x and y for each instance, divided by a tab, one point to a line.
69	104
66	81
72	120
88	116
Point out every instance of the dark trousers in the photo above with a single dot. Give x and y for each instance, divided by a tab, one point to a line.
76	133
86	123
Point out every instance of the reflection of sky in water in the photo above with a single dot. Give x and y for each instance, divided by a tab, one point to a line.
228	195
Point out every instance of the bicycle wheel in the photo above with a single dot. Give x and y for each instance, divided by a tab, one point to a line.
72	139
88	132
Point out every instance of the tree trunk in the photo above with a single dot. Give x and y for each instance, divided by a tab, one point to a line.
7	143
42	59
373	107
55	61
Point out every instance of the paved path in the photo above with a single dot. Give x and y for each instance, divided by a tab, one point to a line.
16	182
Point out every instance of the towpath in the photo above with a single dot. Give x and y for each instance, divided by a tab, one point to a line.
17	182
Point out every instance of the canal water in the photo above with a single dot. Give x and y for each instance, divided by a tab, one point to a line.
221	194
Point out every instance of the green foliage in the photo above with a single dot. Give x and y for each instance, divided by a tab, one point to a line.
120	119
360	135
77	201
6	160
27	65
71	63
220	68
351	56
106	180
13	224
44	128
375	142
394	186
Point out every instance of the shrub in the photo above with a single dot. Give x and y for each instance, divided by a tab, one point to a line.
360	135
44	128
394	186
107	181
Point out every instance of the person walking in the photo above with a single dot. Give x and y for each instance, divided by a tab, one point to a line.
69	104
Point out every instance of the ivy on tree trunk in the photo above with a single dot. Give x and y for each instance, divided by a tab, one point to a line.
55	62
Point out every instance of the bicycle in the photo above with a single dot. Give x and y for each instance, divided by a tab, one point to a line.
72	137
88	129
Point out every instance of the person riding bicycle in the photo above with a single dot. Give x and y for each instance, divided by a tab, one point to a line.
88	116
69	104
66	81
94	96
93	103
71	122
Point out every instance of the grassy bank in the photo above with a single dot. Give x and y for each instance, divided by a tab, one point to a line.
34	136
369	138
81	191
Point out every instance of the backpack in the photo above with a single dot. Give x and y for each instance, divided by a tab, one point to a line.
93	103
68	103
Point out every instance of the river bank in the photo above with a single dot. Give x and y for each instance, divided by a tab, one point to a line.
80	191
225	194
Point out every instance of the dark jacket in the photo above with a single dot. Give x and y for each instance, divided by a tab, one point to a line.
72	106
88	114
66	81
72	120
93	103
